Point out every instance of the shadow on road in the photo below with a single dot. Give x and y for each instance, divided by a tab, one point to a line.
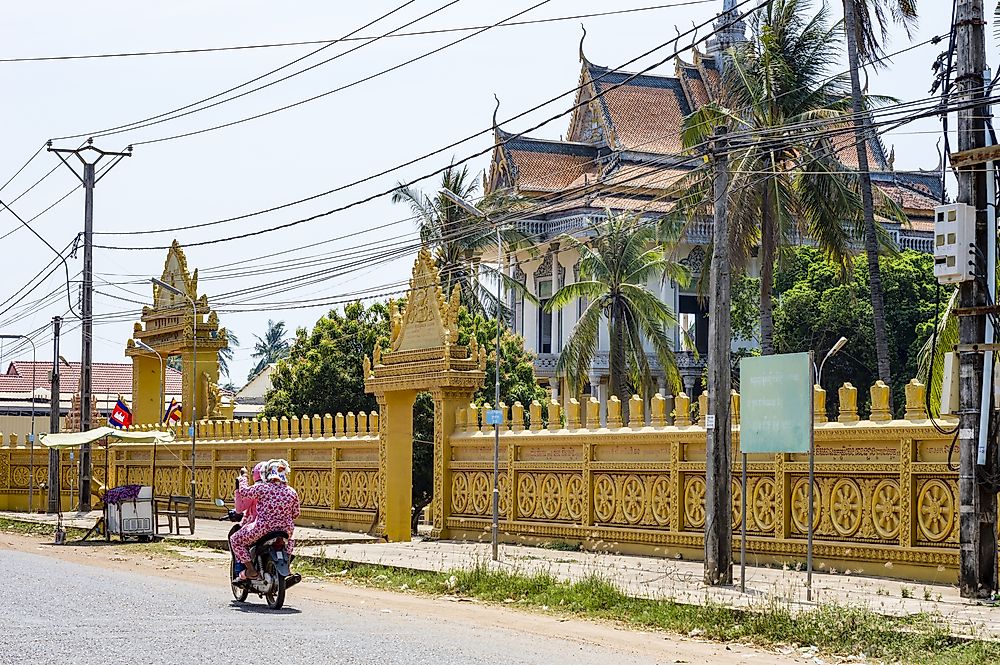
250	608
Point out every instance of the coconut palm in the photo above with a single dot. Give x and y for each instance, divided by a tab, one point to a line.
866	25
226	354
458	239
270	348
615	268
786	180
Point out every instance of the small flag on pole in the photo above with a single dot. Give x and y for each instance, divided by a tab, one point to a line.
173	412
121	415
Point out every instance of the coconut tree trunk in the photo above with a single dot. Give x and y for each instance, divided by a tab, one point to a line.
616	358
862	131
768	249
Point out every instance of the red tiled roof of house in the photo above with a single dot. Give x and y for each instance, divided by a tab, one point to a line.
108	378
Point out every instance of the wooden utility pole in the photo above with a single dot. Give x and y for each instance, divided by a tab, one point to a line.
89	180
53	502
718	468
977	500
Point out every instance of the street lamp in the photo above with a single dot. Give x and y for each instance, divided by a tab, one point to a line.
476	212
812	464
31	444
146	347
194	377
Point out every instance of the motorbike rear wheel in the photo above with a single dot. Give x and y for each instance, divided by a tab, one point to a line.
276	599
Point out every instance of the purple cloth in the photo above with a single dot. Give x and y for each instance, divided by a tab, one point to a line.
118	495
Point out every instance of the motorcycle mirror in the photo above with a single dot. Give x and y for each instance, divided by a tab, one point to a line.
220	503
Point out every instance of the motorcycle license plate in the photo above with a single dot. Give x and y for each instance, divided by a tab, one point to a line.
281	556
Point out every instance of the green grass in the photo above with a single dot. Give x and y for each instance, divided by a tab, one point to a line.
833	629
26	528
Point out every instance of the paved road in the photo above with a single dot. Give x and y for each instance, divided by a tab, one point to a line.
55	610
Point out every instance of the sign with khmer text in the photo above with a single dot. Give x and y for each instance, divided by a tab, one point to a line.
776	403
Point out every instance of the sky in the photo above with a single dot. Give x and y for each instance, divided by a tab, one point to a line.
296	153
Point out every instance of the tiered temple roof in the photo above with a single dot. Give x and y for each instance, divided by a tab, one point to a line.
627	139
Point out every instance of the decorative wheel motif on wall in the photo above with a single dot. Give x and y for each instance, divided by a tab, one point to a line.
574	497
694	502
460	493
41	475
19	476
202	478
346	490
659	501
737	504
549	495
845	506
361	487
482	491
527	495
633	499
604	498
374	485
886	509
800	505
504	504
936	510
765	504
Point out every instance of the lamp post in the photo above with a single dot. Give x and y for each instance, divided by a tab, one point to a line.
476	212
146	347
818	373
194	376
31	444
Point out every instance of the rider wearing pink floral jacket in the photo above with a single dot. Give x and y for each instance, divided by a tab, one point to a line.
277	508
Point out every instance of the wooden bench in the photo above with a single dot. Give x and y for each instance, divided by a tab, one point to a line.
174	510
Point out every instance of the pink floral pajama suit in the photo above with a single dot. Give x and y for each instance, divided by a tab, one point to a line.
277	508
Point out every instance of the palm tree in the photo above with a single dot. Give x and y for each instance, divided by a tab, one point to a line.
786	182
269	349
614	270
226	354
866	24
457	239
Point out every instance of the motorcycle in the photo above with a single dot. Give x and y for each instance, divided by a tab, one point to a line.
270	560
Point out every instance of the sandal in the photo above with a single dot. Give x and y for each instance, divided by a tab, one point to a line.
243	577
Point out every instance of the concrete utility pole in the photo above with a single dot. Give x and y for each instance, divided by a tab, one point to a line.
977	500
89	180
718	467
53	502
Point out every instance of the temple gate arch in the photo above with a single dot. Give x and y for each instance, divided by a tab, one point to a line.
424	356
167	328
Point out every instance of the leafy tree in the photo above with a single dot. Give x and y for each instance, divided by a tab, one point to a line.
866	25
458	239
614	271
323	373
815	308
269	349
794	186
226	354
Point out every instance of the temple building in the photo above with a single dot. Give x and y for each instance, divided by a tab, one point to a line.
623	152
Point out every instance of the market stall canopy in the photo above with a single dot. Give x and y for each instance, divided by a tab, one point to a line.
76	439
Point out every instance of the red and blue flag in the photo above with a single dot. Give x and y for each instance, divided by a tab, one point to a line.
121	415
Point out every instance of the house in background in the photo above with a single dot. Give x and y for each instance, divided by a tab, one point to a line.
623	153
249	401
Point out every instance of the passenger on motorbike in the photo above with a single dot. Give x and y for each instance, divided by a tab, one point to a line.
277	508
248	507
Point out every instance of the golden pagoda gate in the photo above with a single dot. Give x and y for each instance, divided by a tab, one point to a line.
424	356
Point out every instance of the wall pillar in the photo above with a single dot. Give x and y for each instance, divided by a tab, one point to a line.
147	387
395	461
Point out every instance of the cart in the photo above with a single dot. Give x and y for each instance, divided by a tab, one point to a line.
128	512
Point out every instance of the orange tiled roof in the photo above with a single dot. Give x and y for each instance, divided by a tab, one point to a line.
645	113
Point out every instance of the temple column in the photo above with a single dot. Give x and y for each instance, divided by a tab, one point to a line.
147	389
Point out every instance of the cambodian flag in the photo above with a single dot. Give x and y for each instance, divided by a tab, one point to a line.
121	416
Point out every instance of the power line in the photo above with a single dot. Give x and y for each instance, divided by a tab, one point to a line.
418	33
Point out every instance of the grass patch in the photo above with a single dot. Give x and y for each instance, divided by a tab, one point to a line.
561	546
26	528
833	629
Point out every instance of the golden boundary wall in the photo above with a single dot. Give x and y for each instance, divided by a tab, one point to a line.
886	498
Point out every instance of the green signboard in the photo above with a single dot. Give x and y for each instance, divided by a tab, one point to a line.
776	403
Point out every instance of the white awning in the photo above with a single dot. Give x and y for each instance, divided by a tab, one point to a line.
76	439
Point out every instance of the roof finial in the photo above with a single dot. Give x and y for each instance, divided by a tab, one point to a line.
583	58
497	108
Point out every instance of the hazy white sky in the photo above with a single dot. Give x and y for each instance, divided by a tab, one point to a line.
299	152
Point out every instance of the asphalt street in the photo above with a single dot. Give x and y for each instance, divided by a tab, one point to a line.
56	611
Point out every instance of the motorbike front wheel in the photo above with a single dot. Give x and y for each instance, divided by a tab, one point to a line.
240	592
276	599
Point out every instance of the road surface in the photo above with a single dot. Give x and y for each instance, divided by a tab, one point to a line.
102	604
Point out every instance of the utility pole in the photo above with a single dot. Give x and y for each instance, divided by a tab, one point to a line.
53	503
89	179
977	500
718	467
